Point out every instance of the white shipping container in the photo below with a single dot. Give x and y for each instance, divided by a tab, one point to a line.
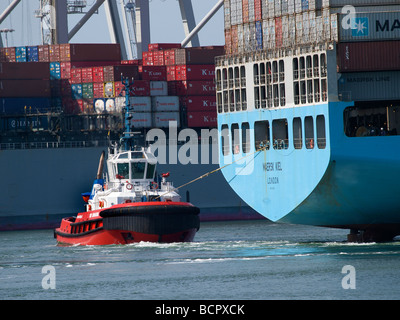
240	38
99	105
278	8
252	16
299	28
291	10
165	103
158	88
110	105
306	27
285	7
271	8
140	104
285	31
227	14
265	28
297	6
120	104
292	29
264	8
162	119
141	120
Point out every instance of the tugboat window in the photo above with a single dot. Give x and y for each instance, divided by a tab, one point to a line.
138	170
150	171
123	170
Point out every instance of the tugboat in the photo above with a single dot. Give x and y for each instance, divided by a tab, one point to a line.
130	204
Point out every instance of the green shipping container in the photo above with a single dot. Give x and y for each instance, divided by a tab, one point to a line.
87	90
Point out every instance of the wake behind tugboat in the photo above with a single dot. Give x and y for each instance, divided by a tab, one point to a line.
130	205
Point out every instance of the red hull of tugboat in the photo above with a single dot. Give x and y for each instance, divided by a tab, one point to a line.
162	222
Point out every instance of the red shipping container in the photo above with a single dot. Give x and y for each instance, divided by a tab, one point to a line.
54	52
87	75
90	52
7	54
163	46
245	11
26	70
195	88
169	57
43	53
258	10
369	56
87	64
25	88
65	70
200	103
98	89
158	58
119	89
76	75
147	58
114	73
195	72
98	74
198	55
278	32
198	119
140	88
154	73
171	73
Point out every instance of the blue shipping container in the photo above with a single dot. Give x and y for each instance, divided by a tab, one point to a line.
20	54
32	54
16	106
55	70
259	35
76	90
304	5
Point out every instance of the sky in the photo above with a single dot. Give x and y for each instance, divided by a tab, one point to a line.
165	23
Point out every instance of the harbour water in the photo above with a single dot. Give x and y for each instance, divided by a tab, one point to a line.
247	260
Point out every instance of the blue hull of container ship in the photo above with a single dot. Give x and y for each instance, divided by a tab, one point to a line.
348	183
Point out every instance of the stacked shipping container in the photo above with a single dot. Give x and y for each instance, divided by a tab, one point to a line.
367	35
170	83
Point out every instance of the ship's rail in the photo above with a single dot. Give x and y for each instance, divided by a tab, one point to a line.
53	145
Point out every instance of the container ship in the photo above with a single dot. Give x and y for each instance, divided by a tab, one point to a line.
61	105
308	112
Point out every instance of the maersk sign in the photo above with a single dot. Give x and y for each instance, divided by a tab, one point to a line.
369	26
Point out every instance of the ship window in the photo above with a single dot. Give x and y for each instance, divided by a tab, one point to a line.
309	132
242	76
269	72
235	138
282	94
219	102
257	97
262	73
281	70
324	90
256	74
230	79
309	91
231	101
138	170
261	135
296	93
137	155
150	171
309	67
280	134
275	71
224	79
303	94
295	68
316	90
302	68
237	78
321	134
245	137
316	65
225	139
123	156
244	99
218	80
123	170
297	133
276	95
238	103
